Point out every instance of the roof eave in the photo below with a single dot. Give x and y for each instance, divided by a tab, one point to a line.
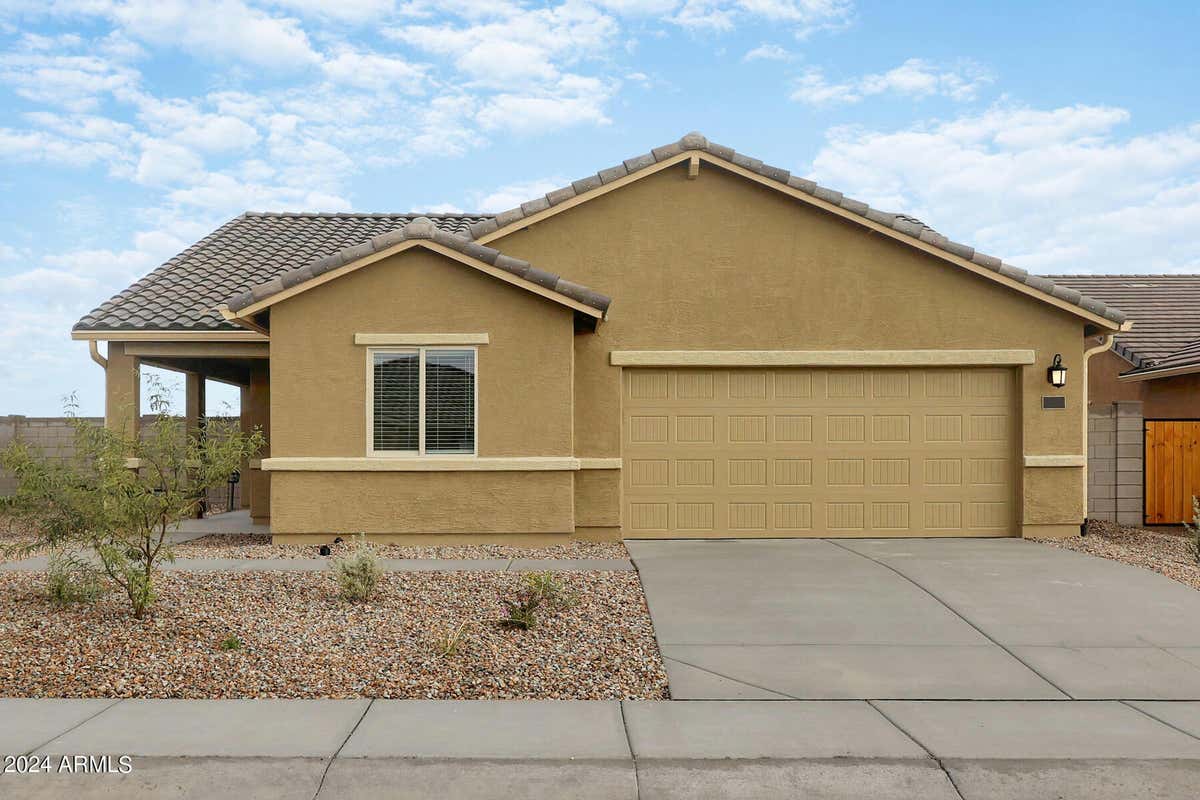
240	316
1153	374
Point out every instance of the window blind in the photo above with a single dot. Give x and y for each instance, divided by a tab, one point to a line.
449	401
397	393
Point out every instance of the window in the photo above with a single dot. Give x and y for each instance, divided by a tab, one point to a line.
422	401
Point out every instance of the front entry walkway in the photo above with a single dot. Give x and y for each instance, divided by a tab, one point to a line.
915	619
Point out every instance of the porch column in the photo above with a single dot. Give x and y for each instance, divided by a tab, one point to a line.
194	402
247	425
194	415
260	417
122	391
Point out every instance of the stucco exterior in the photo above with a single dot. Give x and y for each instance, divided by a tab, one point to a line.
718	262
318	402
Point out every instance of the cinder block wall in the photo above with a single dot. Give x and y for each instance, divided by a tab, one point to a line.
1115	468
55	437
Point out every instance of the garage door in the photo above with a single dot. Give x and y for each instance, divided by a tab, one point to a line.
819	452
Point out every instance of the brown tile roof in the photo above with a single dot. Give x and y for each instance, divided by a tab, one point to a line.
421	228
1184	360
902	223
183	293
1165	310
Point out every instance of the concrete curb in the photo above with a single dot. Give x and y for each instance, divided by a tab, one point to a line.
607	750
38	563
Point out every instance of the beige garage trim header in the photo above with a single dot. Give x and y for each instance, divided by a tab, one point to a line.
820	358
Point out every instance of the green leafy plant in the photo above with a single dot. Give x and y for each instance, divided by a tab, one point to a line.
231	643
70	580
521	612
122	493
1193	531
550	590
358	574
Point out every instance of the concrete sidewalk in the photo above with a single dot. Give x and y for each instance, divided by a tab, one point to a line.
933	750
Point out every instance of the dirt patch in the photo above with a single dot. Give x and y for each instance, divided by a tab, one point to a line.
254	545
1162	552
299	639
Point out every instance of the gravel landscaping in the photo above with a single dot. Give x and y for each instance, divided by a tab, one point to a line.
299	639
1162	552
11	535
255	545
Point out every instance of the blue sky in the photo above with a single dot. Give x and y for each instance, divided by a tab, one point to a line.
1064	137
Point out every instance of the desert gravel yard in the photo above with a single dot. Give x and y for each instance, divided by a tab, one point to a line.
300	640
1162	552
255	545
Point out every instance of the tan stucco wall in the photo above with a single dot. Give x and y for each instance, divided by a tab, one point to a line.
722	263
318	401
1165	398
422	502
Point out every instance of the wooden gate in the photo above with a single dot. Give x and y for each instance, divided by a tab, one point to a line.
1172	470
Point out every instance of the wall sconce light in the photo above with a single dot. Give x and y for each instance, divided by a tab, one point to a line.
1056	373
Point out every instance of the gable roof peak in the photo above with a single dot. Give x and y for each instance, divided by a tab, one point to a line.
908	226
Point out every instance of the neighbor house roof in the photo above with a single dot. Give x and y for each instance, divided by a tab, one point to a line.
1162	307
256	249
417	231
183	294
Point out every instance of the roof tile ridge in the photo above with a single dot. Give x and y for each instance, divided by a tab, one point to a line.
898	222
421	228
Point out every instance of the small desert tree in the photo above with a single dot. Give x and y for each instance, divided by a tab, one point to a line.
120	509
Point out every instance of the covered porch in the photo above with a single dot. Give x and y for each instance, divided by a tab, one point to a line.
238	358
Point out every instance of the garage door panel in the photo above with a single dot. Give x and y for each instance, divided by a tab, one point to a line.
762	452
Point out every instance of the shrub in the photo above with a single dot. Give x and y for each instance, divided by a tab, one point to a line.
358	573
71	580
550	590
231	643
521	612
95	501
448	641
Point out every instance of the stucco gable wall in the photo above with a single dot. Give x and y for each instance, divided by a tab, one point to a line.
318	374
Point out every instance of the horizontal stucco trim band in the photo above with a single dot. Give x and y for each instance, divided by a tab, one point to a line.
600	463
335	464
1056	461
819	358
420	338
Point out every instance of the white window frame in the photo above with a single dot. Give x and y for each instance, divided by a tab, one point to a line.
420	451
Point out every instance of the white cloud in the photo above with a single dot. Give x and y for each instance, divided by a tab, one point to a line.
353	11
217	28
802	16
513	194
914	78
440	208
767	52
517	44
74	82
374	71
1051	191
163	163
574	101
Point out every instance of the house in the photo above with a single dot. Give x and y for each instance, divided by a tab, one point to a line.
690	343
1144	401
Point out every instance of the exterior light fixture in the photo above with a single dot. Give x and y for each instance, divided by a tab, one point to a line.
1056	373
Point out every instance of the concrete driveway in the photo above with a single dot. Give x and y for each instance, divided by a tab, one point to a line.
915	619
